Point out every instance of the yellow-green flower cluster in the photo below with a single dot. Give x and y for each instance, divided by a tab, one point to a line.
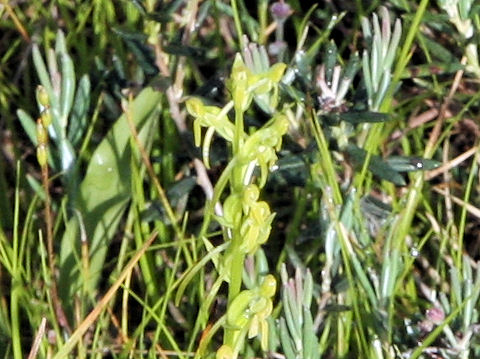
252	216
42	124
247	83
248	314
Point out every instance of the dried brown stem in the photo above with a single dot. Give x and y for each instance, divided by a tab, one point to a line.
59	312
38	338
435	134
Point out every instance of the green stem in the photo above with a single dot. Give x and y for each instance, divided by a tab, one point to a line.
372	140
463	215
236	270
405	55
238	24
234	252
236	265
262	20
238	131
14	298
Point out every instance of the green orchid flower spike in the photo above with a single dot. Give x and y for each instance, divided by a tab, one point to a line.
246	221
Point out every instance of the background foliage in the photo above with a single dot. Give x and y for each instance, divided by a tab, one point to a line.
119	237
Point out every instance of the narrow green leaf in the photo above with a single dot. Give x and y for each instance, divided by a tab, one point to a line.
410	163
183	50
329	60
367	76
357	117
144	56
382	89
304	23
78	118
291	315
363	280
286	341
437	50
307	289
42	71
428	70
28	125
310	341
126	34
68	89
337	308
136	43
60	44
392	49
377	166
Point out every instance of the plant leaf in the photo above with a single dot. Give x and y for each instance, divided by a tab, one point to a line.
136	44
103	196
356	117
177	192
28	125
377	166
78	117
411	163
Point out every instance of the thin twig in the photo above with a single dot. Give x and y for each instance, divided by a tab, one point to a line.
451	164
18	24
435	134
446	179
38	337
475	211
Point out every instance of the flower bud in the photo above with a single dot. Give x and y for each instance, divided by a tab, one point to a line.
42	135
42	96
46	117
42	155
269	286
